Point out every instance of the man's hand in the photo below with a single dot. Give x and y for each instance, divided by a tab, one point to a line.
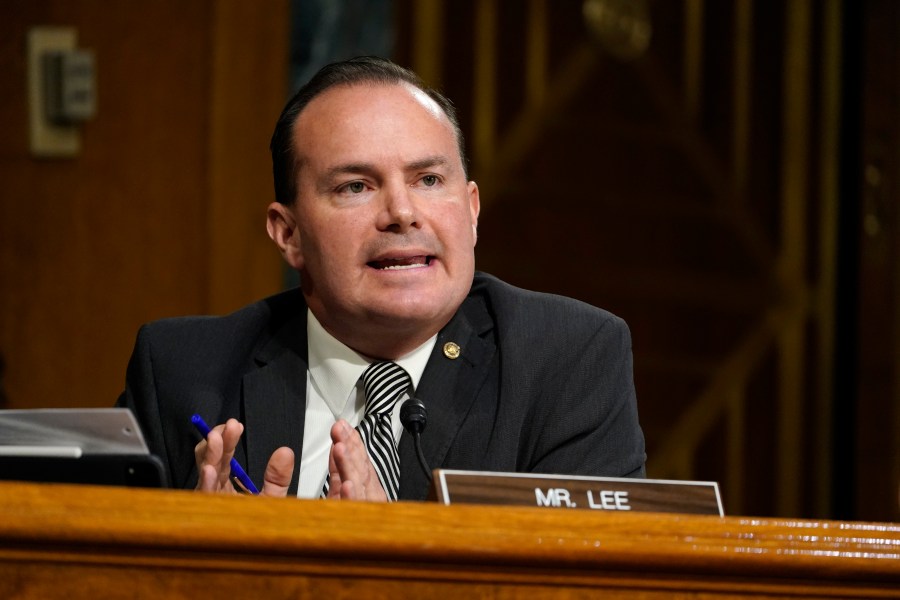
352	475
213	456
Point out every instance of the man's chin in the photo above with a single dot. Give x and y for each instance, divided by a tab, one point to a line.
407	316
409	312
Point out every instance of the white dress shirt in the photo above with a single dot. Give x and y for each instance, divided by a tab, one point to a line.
334	390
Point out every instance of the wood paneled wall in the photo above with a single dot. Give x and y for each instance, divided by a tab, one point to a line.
874	408
683	164
163	213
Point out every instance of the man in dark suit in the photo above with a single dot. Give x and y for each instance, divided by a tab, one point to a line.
375	211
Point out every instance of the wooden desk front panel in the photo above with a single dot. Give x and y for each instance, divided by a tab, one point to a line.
77	542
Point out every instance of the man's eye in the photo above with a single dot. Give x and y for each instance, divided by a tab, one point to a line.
356	187
430	180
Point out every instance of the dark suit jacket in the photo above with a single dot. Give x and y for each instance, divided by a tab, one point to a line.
543	384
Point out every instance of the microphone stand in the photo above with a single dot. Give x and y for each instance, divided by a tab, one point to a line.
414	418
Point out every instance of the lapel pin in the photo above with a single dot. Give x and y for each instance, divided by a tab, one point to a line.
451	350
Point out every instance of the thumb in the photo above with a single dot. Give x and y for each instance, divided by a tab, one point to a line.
278	473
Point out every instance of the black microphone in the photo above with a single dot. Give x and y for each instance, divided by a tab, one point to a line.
414	418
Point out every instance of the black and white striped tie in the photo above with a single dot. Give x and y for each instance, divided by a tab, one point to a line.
384	383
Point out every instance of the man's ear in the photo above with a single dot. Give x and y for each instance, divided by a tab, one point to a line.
281	223
474	208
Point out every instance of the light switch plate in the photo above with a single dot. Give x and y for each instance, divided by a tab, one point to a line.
47	139
69	86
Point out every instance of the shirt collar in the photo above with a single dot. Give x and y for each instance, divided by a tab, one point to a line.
335	368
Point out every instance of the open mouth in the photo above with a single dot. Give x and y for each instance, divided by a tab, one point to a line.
396	264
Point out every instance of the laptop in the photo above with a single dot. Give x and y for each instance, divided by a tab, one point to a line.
101	446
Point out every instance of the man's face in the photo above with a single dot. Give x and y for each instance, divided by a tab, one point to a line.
384	218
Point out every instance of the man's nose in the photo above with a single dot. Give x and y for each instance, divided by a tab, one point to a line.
399	213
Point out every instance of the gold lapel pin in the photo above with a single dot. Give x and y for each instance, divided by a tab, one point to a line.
451	350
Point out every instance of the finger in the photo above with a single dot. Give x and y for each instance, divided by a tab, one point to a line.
346	473
358	476
372	492
334	477
231	435
346	452
208	480
207	455
213	457
348	491
340	432
200	451
278	473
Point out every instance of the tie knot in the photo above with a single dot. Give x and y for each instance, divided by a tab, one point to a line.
384	382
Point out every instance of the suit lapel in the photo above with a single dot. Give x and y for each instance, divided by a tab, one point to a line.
448	388
274	400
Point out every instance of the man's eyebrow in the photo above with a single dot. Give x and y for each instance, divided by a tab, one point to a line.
349	169
427	163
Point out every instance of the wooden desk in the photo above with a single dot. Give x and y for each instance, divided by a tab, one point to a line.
77	542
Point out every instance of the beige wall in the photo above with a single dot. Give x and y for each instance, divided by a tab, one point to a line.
162	213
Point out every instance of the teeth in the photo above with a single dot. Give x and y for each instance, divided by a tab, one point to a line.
398	267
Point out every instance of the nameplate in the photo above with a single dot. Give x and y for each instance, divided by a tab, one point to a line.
578	492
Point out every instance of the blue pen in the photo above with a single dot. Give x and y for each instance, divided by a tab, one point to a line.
236	468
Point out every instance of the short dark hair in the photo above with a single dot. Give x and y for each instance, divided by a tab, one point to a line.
362	69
